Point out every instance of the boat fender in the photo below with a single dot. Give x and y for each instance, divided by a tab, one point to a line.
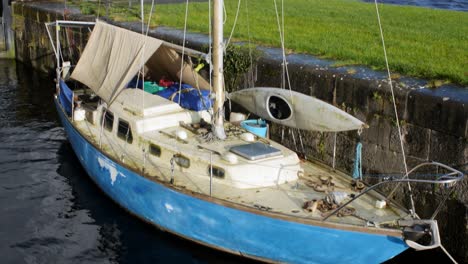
181	134
230	157
236	118
249	137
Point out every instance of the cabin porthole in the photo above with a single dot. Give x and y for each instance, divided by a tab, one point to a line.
278	108
155	150
124	131
217	172
182	161
108	120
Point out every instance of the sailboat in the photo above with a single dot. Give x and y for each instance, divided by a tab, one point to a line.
173	160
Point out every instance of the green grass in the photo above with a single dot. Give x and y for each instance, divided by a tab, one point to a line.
421	42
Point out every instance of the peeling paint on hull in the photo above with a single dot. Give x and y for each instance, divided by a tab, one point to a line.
226	228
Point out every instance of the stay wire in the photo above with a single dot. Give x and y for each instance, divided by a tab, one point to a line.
396	113
233	26
251	75
183	51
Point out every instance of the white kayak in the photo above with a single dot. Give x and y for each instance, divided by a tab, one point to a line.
295	109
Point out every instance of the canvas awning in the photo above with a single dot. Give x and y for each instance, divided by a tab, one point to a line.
112	57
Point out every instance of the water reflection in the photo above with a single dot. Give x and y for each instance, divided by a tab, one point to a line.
51	211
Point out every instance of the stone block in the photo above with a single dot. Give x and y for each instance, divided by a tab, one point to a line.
344	89
375	159
448	149
269	73
427	108
371	134
361	92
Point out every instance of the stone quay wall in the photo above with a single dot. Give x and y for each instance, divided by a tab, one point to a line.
433	120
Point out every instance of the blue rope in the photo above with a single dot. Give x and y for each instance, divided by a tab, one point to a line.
357	172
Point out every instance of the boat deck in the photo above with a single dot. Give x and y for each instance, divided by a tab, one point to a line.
285	199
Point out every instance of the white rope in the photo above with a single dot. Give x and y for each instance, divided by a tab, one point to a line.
149	17
225	13
394	108
210	47
233	26
251	77
183	51
99	8
281	32
146	34
448	255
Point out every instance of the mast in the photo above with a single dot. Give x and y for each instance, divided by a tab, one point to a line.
218	79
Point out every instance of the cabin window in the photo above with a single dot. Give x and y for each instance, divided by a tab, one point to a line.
124	132
155	150
279	108
182	161
108	120
217	172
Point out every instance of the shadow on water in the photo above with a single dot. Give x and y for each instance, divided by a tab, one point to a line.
51	211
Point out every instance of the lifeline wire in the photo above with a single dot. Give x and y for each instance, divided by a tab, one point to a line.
396	112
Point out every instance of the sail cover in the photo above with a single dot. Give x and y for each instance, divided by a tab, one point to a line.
112	57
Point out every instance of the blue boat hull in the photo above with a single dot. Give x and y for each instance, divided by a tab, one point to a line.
227	228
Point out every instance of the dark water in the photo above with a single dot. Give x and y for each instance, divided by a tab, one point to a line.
51	212
458	5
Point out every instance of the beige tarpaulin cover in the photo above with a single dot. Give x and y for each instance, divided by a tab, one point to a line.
112	57
167	62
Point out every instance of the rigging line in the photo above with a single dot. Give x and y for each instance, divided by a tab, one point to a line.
395	109
147	31
142	12
98	9
281	32
210	47
448	254
233	26
283	77
149	17
140	71
225	13
251	75
183	52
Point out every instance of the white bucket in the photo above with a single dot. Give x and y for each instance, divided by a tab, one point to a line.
236	118
79	114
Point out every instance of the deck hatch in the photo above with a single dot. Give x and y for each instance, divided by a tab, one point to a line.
256	151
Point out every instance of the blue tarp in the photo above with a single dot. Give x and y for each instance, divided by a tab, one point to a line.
66	97
135	83
189	97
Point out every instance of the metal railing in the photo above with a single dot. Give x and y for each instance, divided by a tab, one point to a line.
450	179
